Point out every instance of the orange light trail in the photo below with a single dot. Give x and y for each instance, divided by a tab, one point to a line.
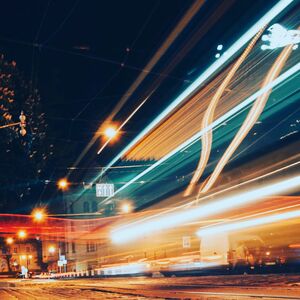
251	118
206	139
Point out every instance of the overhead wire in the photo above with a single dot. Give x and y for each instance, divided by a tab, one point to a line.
158	54
61	25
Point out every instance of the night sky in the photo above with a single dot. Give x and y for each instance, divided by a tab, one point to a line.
83	55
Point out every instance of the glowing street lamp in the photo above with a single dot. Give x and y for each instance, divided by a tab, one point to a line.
51	249
9	240
38	215
22	124
63	184
110	132
126	208
22	234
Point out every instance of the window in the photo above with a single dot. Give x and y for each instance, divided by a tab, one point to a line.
15	250
27	249
73	247
94	206
91	247
86	207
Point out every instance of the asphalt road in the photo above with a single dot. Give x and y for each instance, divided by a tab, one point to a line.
205	287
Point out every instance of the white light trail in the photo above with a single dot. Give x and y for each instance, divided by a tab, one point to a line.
227	116
124	123
244	39
131	232
249	223
278	37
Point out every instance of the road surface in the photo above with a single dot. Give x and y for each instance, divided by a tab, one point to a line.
206	287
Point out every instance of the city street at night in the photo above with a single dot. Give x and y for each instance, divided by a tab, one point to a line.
149	149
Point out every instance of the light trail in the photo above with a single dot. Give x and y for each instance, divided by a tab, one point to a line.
249	223
244	39
125	122
227	116
251	118
207	139
150	65
185	20
130	232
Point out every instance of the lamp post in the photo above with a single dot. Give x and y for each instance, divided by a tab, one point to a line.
63	184
9	241
22	124
22	234
38	215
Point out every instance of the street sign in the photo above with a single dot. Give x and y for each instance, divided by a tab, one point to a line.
59	263
105	190
62	257
186	242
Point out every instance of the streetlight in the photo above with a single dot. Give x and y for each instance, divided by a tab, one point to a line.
110	132
51	249
22	124
9	240
63	184
22	234
38	215
126	208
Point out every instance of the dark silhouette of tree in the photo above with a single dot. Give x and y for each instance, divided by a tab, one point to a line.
23	158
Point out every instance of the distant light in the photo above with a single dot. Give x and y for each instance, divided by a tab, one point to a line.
217	55
248	224
220	47
140	228
9	240
63	184
126	208
38	215
22	234
23	257
294	246
110	132
30	256
51	249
